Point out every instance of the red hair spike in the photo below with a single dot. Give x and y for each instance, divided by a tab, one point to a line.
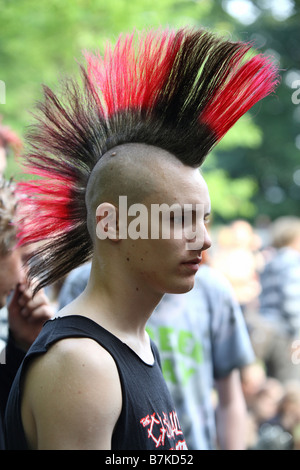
233	99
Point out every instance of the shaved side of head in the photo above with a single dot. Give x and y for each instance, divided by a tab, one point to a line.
131	170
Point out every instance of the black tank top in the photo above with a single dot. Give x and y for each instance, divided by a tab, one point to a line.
148	420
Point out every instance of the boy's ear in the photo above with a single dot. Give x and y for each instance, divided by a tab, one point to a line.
107	223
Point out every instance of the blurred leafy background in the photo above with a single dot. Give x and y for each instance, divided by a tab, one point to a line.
254	172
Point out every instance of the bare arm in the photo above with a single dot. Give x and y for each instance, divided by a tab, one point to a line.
72	397
231	413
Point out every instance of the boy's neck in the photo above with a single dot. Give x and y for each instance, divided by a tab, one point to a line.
119	306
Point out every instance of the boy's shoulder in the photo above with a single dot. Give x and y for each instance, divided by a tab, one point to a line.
76	387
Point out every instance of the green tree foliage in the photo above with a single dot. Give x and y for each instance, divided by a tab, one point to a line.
275	162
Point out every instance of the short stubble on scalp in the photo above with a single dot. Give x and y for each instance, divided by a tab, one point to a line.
131	170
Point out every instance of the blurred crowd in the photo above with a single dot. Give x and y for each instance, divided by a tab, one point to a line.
262	265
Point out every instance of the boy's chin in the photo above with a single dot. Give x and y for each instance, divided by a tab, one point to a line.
182	288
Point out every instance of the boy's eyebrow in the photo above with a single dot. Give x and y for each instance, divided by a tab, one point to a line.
193	210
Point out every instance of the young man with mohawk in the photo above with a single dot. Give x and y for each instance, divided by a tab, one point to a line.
149	113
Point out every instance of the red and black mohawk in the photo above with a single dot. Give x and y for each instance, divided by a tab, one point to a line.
178	90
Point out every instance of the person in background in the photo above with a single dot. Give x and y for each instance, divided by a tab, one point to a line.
276	331
204	343
22	315
237	257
